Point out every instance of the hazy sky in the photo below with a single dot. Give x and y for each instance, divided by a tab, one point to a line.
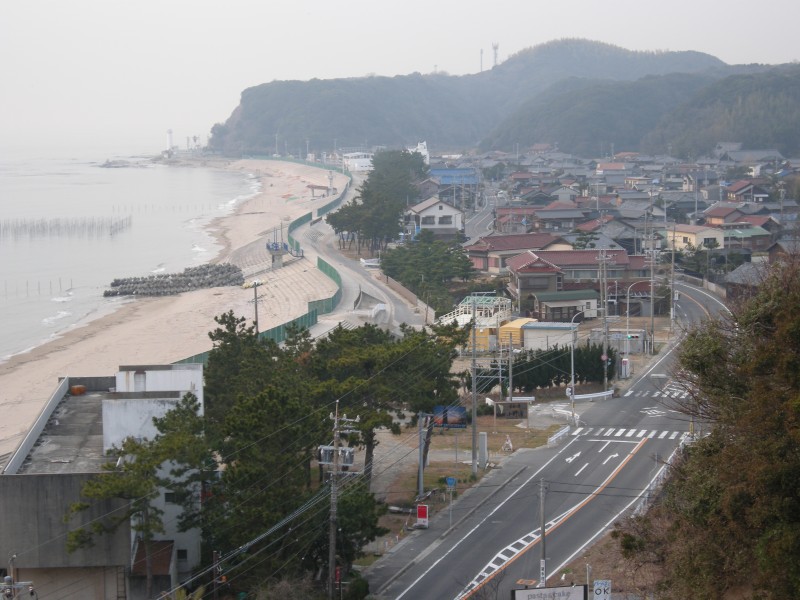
113	74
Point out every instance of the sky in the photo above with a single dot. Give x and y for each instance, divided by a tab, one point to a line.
115	75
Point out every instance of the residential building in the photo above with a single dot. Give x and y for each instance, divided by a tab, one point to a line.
490	253
442	218
680	236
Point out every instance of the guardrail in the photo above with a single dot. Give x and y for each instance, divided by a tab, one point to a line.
558	436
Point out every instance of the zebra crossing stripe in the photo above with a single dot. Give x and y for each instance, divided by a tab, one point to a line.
652	434
630	432
619	433
629	393
674	435
656	394
641	433
577	431
662	435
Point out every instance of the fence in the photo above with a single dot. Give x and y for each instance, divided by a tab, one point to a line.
315	307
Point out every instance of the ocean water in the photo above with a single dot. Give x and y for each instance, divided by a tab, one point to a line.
68	227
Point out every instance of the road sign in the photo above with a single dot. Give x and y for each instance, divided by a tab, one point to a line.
451	482
422	515
602	589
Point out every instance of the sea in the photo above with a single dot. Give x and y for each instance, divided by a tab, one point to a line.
69	225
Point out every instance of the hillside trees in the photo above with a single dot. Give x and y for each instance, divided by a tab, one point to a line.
730	513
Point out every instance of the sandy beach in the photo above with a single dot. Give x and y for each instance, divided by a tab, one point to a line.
166	329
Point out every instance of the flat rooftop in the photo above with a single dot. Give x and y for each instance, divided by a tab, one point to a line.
72	440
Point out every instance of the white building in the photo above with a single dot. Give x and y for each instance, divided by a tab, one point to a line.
358	162
438	216
65	448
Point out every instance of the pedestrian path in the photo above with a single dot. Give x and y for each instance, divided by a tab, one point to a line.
625	433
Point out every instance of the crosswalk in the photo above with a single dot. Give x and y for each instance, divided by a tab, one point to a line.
625	433
675	394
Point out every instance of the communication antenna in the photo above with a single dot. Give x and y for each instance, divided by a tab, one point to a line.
495	48
169	139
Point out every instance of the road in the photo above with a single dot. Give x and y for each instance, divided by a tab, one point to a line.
481	222
603	469
320	240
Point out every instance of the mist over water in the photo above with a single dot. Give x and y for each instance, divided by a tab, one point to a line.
69	227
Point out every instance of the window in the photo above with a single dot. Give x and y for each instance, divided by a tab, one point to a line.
446	220
169	498
183	554
429	220
441	207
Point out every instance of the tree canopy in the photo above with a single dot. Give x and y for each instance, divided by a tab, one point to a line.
375	215
729	518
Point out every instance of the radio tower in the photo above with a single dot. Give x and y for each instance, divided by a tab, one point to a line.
495	48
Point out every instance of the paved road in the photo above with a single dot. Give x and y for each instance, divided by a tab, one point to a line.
601	470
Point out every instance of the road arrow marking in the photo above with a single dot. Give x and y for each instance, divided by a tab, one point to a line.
571	458
610	457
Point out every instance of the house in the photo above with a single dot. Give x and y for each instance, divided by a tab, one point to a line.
563	306
720	215
783	248
746	190
558	219
680	236
766	222
531	275
84	418
581	268
744	280
442	218
514	219
490	253
743	236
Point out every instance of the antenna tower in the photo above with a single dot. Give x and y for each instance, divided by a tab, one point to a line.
495	48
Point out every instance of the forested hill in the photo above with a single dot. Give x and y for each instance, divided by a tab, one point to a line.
459	112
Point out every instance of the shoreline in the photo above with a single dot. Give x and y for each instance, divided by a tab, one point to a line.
134	333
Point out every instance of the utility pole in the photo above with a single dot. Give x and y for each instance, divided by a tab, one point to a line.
603	259
510	366
474	396
334	499
543	556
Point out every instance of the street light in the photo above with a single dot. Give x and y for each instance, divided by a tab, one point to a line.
572	365
628	319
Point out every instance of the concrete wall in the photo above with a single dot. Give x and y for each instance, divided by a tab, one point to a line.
98	583
161	378
32	509
542	339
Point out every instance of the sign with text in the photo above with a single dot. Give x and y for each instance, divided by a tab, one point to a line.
602	589
572	592
450	417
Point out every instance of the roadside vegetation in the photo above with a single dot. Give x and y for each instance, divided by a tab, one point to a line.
728	521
